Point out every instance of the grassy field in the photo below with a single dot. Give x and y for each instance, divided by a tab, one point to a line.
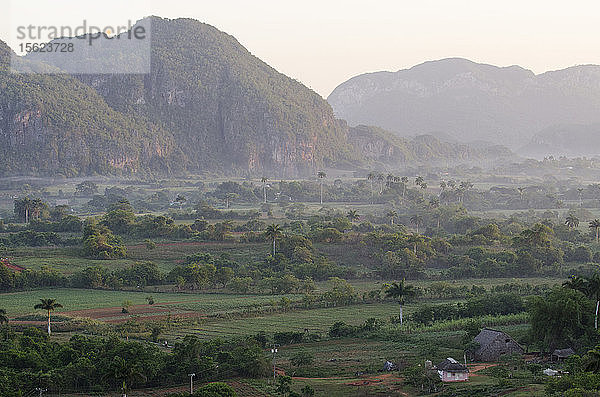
314	320
19	303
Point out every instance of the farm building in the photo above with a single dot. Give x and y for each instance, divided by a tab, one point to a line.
562	354
493	344
451	370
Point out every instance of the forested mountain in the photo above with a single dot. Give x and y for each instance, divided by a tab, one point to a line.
56	124
470	101
228	110
208	105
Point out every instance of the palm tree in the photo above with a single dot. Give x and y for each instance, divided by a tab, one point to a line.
353	215
401	292
595	224
264	180
380	179
572	221
443	187
3	317
521	192
404	180
419	180
273	232
321	175
371	177
392	215
49	305
416	220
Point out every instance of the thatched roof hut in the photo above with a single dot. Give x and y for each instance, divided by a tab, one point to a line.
493	344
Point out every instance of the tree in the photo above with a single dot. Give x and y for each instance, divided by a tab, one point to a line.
402	293
521	191
571	221
273	232
404	180
49	305
124	374
352	215
595	224
321	175
419	180
371	177
215	389
593	291
391	214
563	317
580	194
264	180
3	317
180	199
592	360
416	220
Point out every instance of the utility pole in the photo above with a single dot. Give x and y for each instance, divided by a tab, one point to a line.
191	383
274	351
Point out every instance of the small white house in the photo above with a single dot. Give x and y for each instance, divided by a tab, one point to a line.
451	370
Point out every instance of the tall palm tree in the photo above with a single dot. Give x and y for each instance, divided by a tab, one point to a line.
404	180
580	193
273	232
521	192
3	317
595	224
371	177
353	215
416	220
380	179
402	293
321	175
443	187
264	180
49	305
392	215
571	221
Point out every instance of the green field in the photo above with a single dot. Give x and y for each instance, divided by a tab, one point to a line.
314	320
19	303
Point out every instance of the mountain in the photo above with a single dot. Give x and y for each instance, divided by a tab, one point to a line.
228	110
56	124
378	146
470	101
572	140
206	106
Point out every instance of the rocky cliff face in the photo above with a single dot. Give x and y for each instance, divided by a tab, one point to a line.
470	101
229	111
57	125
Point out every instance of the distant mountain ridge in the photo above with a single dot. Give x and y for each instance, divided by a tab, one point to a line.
208	106
470	101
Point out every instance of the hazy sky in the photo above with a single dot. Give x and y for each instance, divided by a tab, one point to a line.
324	42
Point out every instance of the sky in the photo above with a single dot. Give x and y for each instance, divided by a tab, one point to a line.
322	43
